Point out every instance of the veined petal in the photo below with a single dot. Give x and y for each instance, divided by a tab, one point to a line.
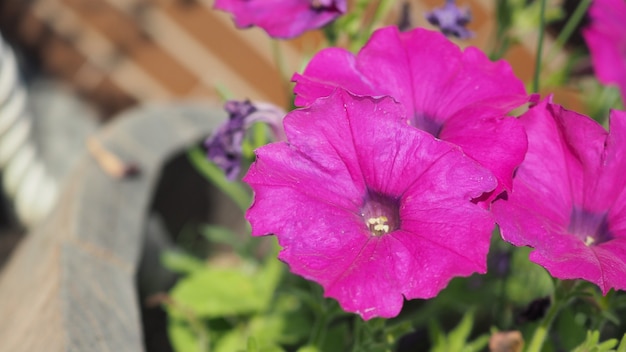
550	170
496	142
609	180
280	167
329	68
569	258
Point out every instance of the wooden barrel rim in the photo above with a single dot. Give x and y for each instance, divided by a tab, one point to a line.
70	284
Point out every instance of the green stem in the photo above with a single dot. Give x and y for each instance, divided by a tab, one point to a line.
562	297
542	29
573	21
357	332
381	11
569	28
567	32
541	332
235	190
319	330
501	40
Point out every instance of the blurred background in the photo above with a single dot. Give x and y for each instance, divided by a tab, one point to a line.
96	58
116	53
68	67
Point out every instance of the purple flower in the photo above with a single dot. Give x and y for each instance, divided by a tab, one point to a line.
606	38
373	210
224	146
460	97
283	18
451	20
569	196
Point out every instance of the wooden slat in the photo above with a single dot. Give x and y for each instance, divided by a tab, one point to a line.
131	40
100	51
228	46
184	46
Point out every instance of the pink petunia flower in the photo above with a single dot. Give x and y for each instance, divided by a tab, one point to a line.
606	39
569	196
370	208
283	18
460	97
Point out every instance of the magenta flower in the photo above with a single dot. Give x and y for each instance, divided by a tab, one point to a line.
460	97
569	196
370	208
283	18
606	39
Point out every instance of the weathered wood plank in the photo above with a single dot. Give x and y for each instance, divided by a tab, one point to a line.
70	284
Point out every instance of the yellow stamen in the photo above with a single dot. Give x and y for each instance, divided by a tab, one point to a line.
378	226
589	241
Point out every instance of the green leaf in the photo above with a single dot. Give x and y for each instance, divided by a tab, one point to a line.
308	349
252	346
222	235
336	340
269	277
180	262
527	280
184	339
570	328
622	345
456	340
243	339
591	344
218	292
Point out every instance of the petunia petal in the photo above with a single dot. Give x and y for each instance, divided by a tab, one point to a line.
329	68
496	142
610	181
282	19
569	258
280	167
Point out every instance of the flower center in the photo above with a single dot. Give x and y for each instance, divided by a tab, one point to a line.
592	228
378	226
427	124
380	213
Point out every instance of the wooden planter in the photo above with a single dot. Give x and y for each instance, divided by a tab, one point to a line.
70	285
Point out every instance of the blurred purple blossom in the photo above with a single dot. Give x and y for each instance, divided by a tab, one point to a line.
224	147
451	20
